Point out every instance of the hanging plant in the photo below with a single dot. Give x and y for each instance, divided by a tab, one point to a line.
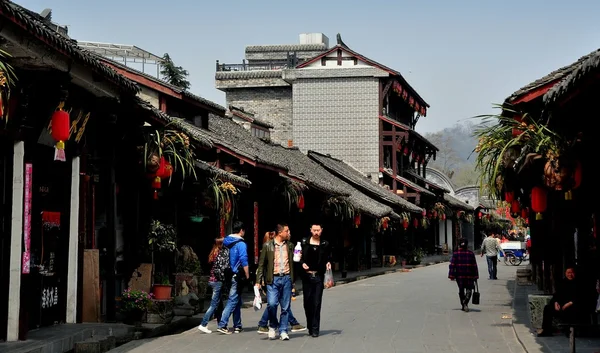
172	145
291	193
425	222
223	196
7	81
338	208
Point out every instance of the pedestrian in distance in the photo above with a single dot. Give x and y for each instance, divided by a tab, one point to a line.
463	270
263	324
238	262
219	258
490	248
276	270
316	259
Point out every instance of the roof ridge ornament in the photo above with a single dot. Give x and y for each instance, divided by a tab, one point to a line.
340	42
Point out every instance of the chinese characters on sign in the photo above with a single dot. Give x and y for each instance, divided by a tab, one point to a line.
27	219
49	297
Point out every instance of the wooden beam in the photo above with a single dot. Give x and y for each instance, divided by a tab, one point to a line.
339	57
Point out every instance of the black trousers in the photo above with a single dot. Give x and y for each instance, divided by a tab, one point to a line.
312	291
464	294
567	316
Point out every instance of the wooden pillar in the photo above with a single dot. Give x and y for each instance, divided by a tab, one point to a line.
111	225
394	161
16	230
73	253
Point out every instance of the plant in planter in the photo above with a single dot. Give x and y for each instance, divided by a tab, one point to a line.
162	287
415	256
162	239
172	145
134	304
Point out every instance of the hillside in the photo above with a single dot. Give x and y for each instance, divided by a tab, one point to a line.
455	157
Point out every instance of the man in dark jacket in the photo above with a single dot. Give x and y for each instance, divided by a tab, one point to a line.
276	270
238	262
316	256
564	303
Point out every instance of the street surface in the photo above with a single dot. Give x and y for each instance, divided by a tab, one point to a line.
416	311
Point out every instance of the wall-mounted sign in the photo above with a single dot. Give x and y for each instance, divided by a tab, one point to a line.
25	267
49	297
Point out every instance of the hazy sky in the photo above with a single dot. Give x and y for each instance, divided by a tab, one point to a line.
461	56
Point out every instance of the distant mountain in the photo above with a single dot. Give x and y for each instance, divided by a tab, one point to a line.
455	157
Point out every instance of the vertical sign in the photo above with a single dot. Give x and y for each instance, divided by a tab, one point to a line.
27	219
255	232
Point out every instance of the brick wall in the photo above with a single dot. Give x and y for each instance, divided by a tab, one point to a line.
272	104
339	116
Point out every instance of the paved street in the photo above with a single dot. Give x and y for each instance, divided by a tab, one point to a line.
409	312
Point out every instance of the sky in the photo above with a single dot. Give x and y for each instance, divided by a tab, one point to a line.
461	56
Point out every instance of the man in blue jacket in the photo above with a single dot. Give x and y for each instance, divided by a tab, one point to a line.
238	260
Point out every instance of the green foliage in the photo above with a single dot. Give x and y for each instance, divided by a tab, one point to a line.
7	72
339	208
223	196
162	279
162	237
289	191
173	74
193	266
134	300
175	147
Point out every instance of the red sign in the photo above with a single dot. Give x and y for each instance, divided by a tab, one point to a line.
256	232
27	219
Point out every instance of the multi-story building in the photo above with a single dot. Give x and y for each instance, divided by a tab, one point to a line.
336	101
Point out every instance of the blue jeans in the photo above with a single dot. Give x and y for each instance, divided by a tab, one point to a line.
214	302
492	262
264	320
234	305
279	293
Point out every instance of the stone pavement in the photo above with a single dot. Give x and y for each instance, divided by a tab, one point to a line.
406	312
528	338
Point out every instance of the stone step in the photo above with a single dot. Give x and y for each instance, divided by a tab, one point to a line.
96	344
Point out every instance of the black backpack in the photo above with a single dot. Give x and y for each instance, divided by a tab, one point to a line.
221	265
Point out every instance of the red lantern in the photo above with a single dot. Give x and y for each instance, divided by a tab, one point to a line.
443	216
577	175
165	169
300	203
424	213
405	224
60	132
434	214
384	223
515	207
509	196
406	151
415	223
538	201
357	220
480	215
525	213
516	131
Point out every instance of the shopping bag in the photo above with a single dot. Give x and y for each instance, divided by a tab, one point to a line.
476	295
329	279
257	303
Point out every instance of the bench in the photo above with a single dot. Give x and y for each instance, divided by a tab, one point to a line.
572	327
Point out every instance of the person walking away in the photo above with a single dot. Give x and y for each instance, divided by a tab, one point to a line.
219	258
238	261
564	304
490	249
276	270
316	257
263	324
463	270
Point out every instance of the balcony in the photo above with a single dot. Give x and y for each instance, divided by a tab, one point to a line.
289	62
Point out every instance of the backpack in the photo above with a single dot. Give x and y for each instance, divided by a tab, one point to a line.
221	265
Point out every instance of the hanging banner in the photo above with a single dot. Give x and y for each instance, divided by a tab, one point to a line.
27	219
256	232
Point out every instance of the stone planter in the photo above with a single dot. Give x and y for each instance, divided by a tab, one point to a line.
153	318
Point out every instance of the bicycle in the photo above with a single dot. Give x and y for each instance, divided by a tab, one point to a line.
514	258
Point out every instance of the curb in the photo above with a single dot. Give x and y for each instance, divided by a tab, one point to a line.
512	319
408	268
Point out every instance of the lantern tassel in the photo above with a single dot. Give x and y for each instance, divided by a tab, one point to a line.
156	194
59	152
538	216
569	195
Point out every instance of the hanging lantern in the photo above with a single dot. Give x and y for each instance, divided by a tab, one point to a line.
577	175
424	213
300	203
515	207
443	216
385	223
538	201
405	224
434	214
516	131
60	131
406	151
357	220
479	215
525	213
415	223
509	196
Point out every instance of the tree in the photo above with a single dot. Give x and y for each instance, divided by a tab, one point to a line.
465	175
175	75
446	158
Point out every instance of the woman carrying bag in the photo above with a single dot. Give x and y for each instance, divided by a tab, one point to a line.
463	269
219	258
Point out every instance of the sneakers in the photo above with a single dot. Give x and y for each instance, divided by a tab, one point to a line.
272	333
466	308
263	330
238	330
204	329
284	336
224	330
298	328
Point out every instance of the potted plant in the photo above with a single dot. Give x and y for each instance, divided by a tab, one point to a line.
134	304
162	287
416	256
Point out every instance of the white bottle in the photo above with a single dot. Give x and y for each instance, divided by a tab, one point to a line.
297	252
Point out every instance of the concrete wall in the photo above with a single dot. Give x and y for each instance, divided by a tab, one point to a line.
272	104
338	116
149	95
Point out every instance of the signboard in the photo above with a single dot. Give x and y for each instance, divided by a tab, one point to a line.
255	232
25	268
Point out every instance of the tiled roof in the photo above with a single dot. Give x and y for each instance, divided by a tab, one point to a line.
409	183
583	67
454	202
240	113
222	174
35	25
285	48
248	75
358	180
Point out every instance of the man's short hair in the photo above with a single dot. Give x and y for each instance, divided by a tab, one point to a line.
280	227
238	226
316	223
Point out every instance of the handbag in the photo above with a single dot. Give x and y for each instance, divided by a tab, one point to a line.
476	295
